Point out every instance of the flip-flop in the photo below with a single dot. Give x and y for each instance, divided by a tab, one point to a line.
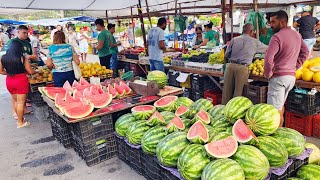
15	117
25	124
29	112
28	105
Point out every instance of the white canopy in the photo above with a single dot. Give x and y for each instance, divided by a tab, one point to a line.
120	8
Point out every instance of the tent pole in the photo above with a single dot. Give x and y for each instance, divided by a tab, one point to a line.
223	3
148	12
107	17
134	37
231	16
142	27
175	32
182	30
255	2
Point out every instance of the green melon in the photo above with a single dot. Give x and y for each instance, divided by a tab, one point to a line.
211	132
223	169
184	101
217	110
236	108
309	172
167	115
143	112
169	148
151	139
123	122
192	161
135	132
220	123
159	77
167	103
202	104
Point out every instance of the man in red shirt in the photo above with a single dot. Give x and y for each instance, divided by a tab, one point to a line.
286	53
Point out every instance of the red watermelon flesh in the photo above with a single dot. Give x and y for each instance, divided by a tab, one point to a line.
198	133
59	100
112	91
203	116
75	84
181	110
67	86
78	110
78	95
125	87
121	91
155	119
52	91
242	132
69	98
82	87
165	101
176	122
100	100
83	81
223	148
86	93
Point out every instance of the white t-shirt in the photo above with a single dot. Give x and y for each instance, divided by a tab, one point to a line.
154	36
82	42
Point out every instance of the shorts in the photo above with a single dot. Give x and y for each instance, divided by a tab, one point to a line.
105	61
59	78
310	43
114	62
156	65
17	84
278	90
83	49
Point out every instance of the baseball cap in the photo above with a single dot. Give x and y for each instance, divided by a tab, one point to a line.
36	32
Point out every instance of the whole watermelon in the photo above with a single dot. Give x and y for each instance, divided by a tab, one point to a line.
229	130
184	101
204	104
220	123
221	135
253	162
274	150
167	115
159	77
236	108
226	169
169	148
151	138
263	119
293	178
309	172
135	132
192	161
291	139
211	131
123	122
217	110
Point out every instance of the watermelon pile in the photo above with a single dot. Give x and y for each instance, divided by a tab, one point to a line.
78	100
237	141
159	77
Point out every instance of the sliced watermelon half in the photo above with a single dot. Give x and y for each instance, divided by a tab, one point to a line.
96	89
78	94
125	87
121	91
156	119
59	100
100	100
223	148
175	124
83	81
52	91
78	110
75	84
86	93
182	111
242	132
112	91
67	86
198	133
202	116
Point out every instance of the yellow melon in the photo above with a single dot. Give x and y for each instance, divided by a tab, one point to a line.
306	64
299	73
316	77
307	76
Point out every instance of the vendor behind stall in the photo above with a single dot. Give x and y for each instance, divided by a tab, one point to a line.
267	32
240	53
198	38
35	44
211	38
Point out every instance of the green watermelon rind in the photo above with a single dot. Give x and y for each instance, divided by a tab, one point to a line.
167	115
202	104
220	123
159	77
151	139
135	132
236	108
217	110
168	107
122	124
143	115
309	171
227	169
184	101
192	161
156	119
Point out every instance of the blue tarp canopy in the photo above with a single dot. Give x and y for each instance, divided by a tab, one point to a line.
79	18
8	21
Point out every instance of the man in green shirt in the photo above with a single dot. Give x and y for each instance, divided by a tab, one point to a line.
267	32
114	50
103	47
22	37
211	38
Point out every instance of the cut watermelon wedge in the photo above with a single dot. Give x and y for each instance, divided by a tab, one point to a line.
175	124
59	100
202	116
67	86
223	148
184	111
198	133
75	84
100	100
112	91
52	91
78	110
155	119
83	81
121	91
86	93
78	95
242	132
125	87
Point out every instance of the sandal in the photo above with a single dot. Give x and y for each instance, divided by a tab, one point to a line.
25	124
15	117
29	112
28	105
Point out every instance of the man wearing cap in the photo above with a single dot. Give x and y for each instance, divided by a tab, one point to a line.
307	26
35	44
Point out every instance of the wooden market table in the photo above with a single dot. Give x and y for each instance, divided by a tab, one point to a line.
143	66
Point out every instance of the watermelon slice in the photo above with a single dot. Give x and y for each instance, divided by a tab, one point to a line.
202	116
242	132
223	148
184	111
143	112
67	86
125	87
175	124
121	91
86	93
52	91
112	91
78	110
198	133
155	119
100	100
59	100
96	89
83	81
77	94
75	84
167	103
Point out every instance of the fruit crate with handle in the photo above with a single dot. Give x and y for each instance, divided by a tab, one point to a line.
60	130
121	145
300	122
256	92
316	127
214	96
96	152
151	166
173	78
305	104
134	158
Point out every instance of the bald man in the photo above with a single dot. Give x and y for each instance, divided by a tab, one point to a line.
239	54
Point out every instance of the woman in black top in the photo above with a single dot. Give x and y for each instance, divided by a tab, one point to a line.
16	66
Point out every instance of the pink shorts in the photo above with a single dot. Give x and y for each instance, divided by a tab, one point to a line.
17	84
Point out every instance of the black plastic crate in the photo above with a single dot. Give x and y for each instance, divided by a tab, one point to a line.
64	136
40	112
151	166
173	78
36	98
305	104
122	148
297	164
256	92
134	158
59	121
132	56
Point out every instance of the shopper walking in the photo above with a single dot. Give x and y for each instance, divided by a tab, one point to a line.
60	59
308	25
286	53
156	45
114	50
35	44
240	53
16	66
103	47
83	43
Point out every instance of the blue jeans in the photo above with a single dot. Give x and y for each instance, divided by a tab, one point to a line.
156	65
59	78
114	62
131	42
310	43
